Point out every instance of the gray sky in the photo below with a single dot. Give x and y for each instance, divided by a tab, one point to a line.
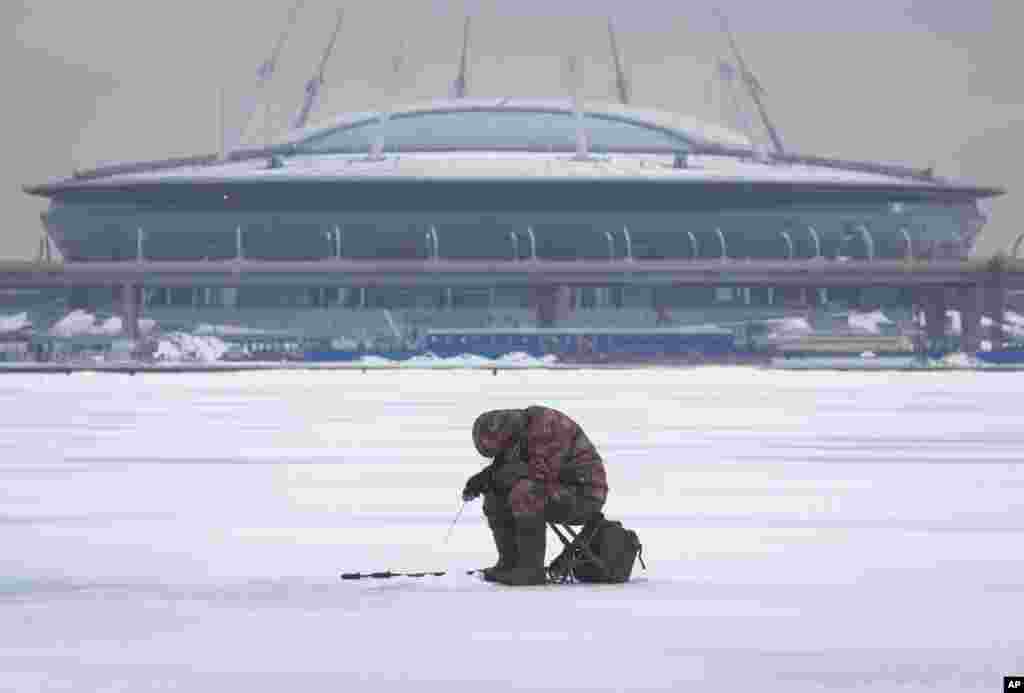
919	82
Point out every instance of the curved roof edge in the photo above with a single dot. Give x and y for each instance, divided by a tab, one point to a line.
704	134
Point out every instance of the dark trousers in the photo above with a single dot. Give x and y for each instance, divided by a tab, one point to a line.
564	504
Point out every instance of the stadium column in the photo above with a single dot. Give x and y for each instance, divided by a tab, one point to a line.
995	306
552	304
969	304
131	296
935	316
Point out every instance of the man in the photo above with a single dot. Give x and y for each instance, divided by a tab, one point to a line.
544	469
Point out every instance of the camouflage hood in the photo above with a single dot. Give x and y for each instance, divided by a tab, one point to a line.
496	430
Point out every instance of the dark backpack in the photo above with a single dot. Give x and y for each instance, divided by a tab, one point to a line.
618	548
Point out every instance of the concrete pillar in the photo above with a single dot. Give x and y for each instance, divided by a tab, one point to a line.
995	308
935	316
130	304
552	304
969	305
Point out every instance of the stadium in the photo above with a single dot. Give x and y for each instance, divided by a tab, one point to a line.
506	180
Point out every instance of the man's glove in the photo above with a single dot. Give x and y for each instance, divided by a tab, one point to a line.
477	485
508	474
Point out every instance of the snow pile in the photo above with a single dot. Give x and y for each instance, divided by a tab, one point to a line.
867	322
1010	327
787	326
344	344
207	329
522	358
74	324
79	323
179	346
787	329
1013	326
962	360
110	326
13	323
469	360
427	359
432	360
1015	330
375	361
956	321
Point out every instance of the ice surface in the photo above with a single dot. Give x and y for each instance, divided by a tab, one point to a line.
13	323
803	532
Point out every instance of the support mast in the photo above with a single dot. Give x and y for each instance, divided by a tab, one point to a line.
459	84
621	81
315	83
263	76
753	85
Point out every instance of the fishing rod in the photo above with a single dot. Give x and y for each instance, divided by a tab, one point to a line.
385	574
457	516
389	574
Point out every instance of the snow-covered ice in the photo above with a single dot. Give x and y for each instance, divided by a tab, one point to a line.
803	532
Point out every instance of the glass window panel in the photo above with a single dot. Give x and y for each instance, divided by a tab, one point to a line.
501	129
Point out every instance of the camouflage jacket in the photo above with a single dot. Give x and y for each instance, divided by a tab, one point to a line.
550	448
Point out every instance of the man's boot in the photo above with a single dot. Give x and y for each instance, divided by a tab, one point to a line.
504	532
529	570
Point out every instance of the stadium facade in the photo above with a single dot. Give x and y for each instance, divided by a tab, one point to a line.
510	179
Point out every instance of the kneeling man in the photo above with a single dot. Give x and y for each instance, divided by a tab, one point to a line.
544	469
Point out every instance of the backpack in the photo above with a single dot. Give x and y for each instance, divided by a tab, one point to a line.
618	548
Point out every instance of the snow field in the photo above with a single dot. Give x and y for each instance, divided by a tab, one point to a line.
804	531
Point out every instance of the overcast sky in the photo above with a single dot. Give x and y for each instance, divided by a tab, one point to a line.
920	82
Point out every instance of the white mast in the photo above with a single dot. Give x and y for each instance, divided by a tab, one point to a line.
575	77
459	85
377	148
313	86
263	76
753	85
622	85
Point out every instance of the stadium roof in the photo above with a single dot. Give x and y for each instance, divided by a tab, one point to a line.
514	123
515	140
